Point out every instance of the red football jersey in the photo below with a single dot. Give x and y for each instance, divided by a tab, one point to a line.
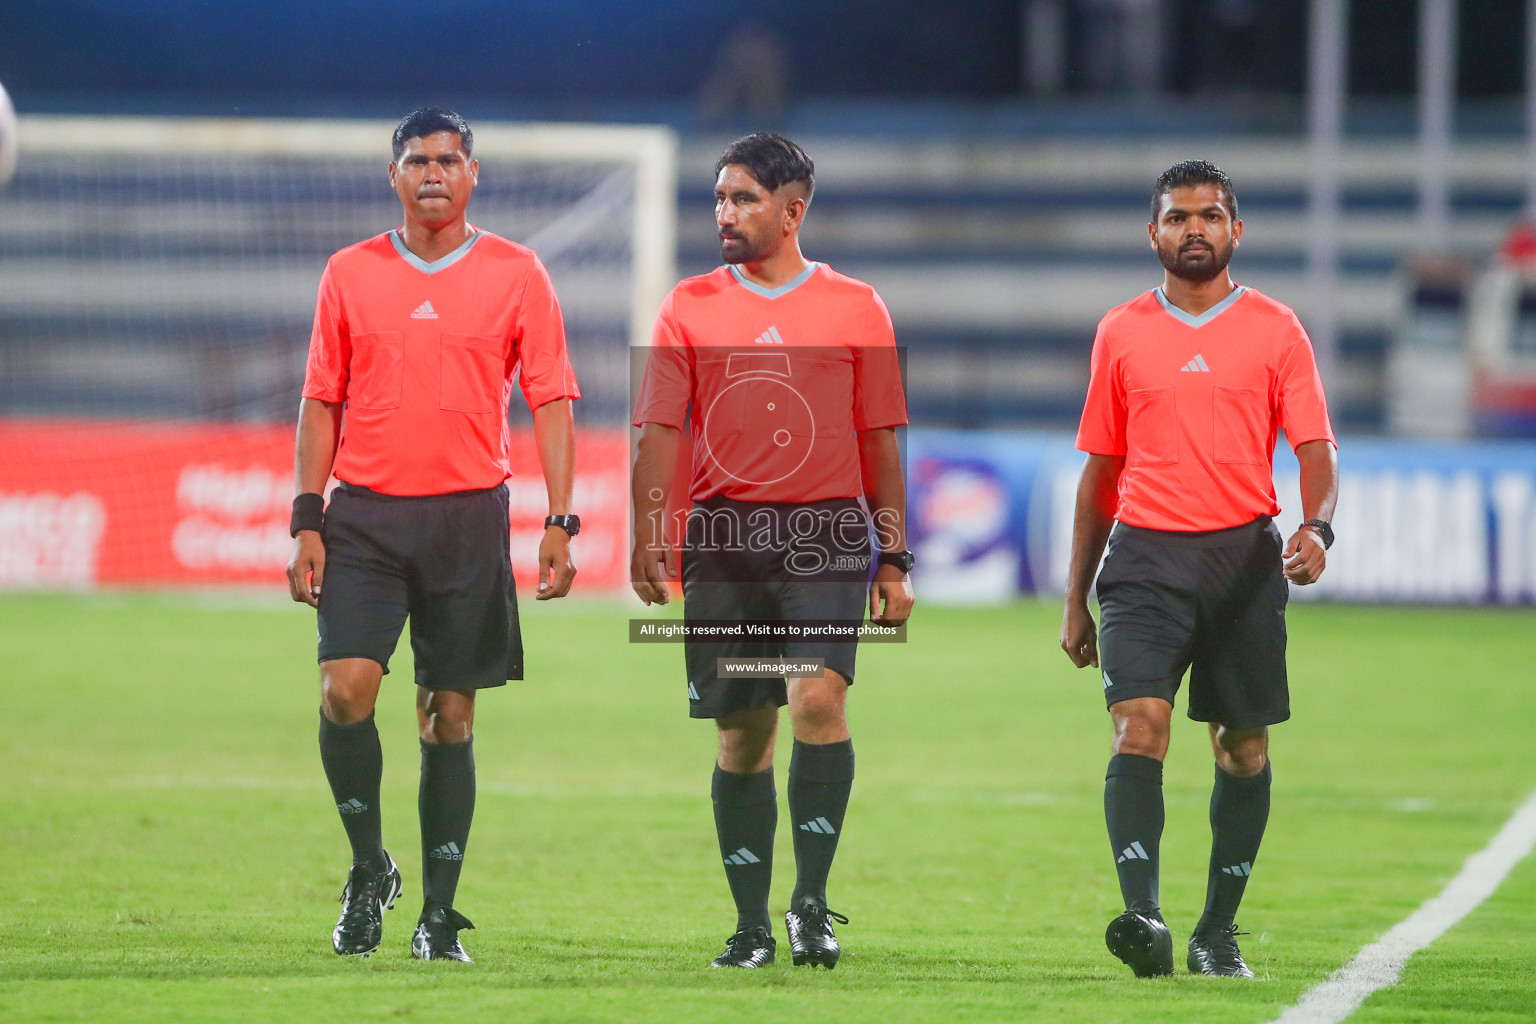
1194	403
424	355
775	384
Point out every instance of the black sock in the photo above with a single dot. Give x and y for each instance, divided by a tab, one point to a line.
746	814
353	766
1239	812
1133	810
446	802
820	778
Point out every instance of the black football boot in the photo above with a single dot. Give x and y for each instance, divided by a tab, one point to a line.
437	935
1214	951
811	939
749	947
1141	939
368	894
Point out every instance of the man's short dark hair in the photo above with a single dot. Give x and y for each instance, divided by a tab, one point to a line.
420	123
772	160
1193	174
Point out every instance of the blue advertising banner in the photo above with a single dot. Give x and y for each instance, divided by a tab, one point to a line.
1419	522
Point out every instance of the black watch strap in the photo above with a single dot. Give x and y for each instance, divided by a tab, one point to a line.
570	524
1324	530
903	560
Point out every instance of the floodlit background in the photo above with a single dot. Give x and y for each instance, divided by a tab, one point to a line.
186	167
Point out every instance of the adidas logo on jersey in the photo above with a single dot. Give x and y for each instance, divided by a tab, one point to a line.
424	312
1195	365
448	851
768	337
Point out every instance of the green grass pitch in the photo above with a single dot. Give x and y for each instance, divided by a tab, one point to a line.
169	850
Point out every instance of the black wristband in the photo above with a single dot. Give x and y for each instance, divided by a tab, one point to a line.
308	513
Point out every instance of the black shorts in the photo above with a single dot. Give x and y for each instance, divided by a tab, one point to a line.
1211	602
770	562
445	561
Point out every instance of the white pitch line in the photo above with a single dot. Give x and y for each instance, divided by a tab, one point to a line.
1381	963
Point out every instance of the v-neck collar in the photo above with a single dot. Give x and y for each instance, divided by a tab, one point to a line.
442	262
1197	322
773	293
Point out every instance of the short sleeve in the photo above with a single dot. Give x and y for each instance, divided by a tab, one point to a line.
1301	404
666	388
538	342
1102	428
879	398
327	369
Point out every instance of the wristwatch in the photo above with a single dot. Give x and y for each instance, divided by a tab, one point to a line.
570	524
903	560
1324	530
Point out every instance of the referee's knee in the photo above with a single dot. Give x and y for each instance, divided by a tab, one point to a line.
1240	752
819	703
1142	743
445	716
1142	727
347	690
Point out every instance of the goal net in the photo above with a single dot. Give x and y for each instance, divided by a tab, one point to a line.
157	286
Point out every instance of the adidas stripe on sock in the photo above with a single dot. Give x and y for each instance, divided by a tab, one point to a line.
1133	812
746	815
446	804
353	765
1239	814
820	779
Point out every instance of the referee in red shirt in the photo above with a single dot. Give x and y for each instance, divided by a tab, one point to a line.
1188	387
419	334
787	374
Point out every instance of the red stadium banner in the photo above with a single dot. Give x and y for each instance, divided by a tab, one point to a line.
87	503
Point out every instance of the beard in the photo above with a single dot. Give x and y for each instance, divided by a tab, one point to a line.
740	249
1197	266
